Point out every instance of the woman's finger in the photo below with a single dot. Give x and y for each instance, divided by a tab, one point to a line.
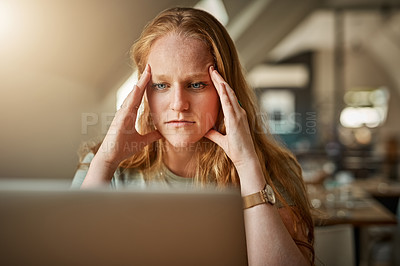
218	79
144	79
221	90
134	99
232	96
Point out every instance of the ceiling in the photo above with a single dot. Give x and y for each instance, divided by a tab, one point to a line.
88	41
372	31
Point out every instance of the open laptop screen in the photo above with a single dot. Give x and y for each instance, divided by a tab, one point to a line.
103	227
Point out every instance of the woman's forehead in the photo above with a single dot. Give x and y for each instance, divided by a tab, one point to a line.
173	45
176	53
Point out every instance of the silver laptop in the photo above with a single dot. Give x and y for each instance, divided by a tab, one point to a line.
103	227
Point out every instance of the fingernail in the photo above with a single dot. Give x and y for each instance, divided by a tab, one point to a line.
212	68
146	69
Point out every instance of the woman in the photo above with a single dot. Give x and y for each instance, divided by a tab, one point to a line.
199	125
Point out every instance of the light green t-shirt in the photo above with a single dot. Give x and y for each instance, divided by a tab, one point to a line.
132	178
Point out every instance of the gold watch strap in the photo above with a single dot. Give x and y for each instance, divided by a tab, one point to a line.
254	199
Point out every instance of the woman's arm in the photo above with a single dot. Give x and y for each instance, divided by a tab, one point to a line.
122	139
268	240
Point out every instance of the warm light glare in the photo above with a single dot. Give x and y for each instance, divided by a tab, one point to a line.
357	98
7	18
11	21
353	117
216	8
365	108
126	88
377	97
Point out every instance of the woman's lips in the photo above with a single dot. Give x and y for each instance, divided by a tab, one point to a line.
180	123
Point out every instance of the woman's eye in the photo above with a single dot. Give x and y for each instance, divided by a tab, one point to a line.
197	85
159	86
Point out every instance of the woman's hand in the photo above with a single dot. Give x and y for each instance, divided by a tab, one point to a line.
122	139
237	143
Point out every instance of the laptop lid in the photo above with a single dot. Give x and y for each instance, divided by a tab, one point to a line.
104	227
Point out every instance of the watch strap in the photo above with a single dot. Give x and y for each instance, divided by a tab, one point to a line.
266	195
254	199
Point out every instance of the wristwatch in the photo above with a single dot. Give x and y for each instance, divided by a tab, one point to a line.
266	195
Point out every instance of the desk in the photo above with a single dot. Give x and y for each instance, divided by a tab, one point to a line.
351	204
379	187
368	212
387	192
347	205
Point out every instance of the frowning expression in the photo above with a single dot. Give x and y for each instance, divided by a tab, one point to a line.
183	101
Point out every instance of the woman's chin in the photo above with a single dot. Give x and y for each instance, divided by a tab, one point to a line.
182	142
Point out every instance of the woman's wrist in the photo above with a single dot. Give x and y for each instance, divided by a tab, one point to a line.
102	161
100	172
251	177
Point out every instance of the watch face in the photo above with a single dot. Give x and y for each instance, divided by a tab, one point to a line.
270	194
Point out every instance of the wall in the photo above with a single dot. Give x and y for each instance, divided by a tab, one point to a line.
41	127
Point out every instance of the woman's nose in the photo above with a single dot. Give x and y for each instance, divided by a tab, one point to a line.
179	100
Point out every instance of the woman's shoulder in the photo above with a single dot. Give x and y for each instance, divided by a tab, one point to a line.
82	170
87	159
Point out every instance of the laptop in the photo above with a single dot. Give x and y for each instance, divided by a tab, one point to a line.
125	227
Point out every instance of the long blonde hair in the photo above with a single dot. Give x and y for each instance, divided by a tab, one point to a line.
279	166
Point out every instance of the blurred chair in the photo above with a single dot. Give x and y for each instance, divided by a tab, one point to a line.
381	240
334	245
396	245
383	243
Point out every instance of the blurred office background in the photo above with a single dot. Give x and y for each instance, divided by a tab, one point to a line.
326	73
